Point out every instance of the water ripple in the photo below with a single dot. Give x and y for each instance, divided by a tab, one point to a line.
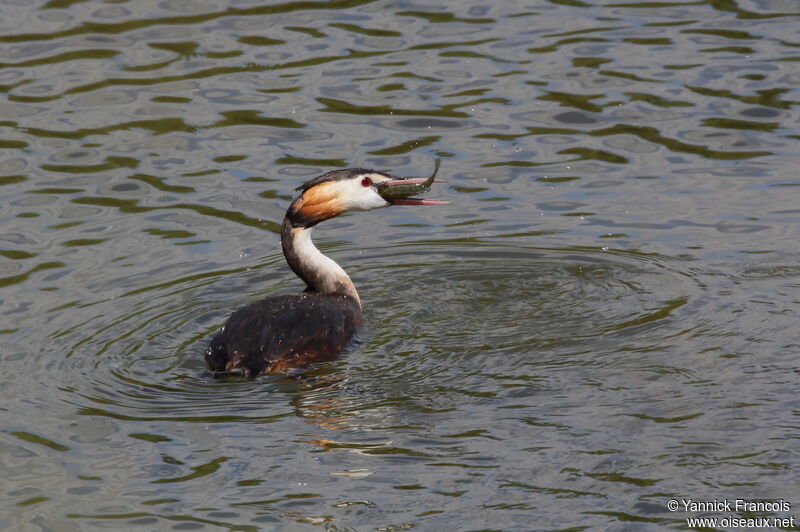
601	319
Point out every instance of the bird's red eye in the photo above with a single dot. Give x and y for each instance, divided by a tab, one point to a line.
366	182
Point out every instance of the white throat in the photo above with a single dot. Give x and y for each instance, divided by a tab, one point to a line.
318	270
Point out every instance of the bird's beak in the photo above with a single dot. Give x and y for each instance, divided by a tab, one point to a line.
398	190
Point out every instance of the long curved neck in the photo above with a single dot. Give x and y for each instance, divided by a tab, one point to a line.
320	273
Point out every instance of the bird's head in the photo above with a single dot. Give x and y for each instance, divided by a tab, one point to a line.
354	189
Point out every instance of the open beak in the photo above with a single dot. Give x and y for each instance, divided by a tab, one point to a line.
399	190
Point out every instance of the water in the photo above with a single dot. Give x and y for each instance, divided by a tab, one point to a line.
603	318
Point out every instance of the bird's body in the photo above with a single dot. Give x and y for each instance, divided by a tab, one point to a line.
282	333
278	334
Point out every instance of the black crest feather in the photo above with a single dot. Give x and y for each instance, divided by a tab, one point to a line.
338	175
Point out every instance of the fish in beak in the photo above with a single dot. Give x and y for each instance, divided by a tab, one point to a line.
399	190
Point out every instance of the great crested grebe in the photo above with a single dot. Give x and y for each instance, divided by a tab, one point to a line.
282	333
